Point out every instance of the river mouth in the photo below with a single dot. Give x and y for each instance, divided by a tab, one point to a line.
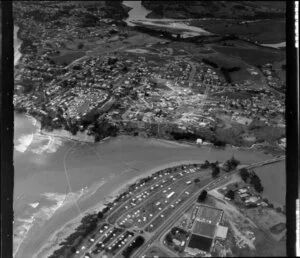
54	175
138	16
86	174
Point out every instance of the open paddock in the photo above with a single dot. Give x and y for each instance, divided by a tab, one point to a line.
265	31
67	57
252	56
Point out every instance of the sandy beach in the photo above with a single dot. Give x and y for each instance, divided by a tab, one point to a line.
80	136
59	235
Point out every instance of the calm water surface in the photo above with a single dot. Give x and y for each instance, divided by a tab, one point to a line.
139	13
273	178
55	179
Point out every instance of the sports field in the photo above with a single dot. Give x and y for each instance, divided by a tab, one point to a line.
204	229
209	214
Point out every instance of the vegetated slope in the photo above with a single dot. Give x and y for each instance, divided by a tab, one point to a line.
267	31
216	9
44	11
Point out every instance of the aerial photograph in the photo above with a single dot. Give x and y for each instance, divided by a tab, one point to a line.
149	129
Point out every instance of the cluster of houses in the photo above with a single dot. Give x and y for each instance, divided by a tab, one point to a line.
137	80
272	78
248	199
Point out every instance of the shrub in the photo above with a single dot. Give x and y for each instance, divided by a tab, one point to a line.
230	194
202	196
244	174
215	171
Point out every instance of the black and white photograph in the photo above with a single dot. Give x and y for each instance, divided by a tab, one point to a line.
150	129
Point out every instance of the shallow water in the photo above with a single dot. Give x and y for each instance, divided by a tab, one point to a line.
138	13
58	179
74	177
273	179
276	45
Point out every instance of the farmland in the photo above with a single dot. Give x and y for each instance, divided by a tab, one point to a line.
263	31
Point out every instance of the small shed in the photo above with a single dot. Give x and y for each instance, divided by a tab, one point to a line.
199	141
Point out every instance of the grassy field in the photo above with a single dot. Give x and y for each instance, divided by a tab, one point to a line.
258	56
264	31
269	133
231	135
67	57
209	213
155	251
218	9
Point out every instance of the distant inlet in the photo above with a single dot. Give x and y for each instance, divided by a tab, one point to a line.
275	45
138	14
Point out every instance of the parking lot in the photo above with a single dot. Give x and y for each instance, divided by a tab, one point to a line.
151	207
107	241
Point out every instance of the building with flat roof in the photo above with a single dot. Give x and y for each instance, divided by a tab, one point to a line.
221	232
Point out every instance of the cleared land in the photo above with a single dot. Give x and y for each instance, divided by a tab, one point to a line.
263	31
258	56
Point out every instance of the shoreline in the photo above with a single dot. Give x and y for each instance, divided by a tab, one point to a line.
60	134
54	241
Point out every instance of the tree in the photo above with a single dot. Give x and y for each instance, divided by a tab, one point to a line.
206	164
230	194
169	239
80	46
232	163
196	180
244	174
202	196
258	188
215	171
100	215
255	181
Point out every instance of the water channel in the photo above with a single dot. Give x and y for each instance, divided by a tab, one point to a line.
57	179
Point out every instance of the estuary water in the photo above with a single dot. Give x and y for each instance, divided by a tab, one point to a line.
138	13
58	180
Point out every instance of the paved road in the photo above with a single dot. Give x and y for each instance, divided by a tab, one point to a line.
175	216
183	178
